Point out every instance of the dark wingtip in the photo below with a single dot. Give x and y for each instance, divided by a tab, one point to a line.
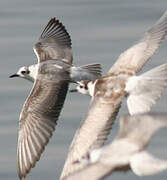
55	28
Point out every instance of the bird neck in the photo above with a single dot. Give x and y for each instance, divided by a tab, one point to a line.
33	72
91	87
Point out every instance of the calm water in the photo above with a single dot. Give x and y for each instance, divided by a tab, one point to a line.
100	31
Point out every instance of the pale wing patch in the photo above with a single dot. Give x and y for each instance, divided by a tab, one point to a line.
144	164
146	89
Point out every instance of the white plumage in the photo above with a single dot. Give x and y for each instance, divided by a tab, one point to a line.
144	90
108	95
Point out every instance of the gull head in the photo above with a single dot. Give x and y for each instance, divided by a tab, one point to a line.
84	87
26	72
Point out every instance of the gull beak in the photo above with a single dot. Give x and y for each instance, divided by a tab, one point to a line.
73	90
14	75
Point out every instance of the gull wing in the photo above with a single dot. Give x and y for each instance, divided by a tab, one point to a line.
96	171
93	171
135	57
133	136
54	43
144	90
38	120
144	164
92	132
135	129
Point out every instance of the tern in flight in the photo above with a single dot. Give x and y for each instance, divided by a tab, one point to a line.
141	91
109	92
127	150
51	77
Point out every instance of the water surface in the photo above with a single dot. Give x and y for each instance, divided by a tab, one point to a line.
100	31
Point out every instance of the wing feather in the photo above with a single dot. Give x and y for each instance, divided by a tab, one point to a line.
37	122
54	43
135	57
95	171
97	125
144	90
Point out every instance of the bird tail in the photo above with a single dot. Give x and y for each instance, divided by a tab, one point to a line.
86	72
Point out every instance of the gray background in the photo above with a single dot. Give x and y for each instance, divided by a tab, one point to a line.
100	31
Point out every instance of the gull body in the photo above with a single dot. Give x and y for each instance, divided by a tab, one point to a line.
51	77
127	151
108	94
89	71
142	91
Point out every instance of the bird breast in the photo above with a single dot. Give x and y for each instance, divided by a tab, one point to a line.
111	87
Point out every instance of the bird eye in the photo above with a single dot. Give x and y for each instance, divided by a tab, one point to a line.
81	86
23	72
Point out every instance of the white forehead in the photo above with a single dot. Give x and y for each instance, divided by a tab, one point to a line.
24	68
81	83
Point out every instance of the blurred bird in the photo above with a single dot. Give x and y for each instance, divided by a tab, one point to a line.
127	151
109	92
141	91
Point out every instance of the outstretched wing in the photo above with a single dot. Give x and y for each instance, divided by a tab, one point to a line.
144	90
54	43
38	120
143	164
135	57
95	171
92	133
134	129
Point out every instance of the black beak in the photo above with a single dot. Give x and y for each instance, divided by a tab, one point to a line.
73	90
14	75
